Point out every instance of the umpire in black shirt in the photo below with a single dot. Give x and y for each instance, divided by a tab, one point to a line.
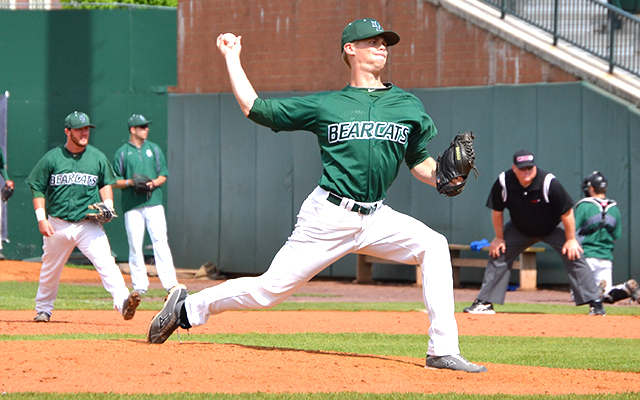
540	210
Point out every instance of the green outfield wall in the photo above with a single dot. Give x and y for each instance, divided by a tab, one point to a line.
236	187
107	63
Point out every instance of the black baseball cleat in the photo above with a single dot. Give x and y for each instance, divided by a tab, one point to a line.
455	363
596	308
168	319
480	307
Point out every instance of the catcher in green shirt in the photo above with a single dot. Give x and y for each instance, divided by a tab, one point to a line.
364	131
598	226
141	170
66	182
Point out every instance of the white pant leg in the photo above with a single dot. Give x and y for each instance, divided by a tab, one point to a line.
323	234
399	237
134	224
56	250
157	228
92	241
602	270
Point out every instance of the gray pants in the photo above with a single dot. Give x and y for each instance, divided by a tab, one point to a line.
498	271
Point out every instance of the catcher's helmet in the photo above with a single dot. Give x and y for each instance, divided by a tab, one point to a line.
596	180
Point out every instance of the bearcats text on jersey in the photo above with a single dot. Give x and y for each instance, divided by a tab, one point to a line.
73	178
367	130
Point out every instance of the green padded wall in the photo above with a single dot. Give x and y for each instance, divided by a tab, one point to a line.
107	63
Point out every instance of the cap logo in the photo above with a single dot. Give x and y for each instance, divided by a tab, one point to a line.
520	159
82	118
376	25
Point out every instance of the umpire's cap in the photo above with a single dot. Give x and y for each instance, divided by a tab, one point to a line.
138	120
77	120
366	28
523	158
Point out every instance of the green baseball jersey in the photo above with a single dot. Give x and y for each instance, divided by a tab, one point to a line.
363	136
598	226
70	182
147	160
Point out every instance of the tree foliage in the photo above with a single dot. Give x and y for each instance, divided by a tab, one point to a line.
86	4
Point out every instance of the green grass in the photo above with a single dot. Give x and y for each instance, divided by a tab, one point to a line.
20	296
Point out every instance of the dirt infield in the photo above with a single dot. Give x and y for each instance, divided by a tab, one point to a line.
133	366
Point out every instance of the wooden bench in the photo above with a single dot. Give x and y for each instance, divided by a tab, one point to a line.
526	265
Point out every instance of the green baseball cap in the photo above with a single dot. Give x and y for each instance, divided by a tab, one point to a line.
366	28
77	120
138	120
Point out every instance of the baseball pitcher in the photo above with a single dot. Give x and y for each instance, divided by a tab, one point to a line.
365	132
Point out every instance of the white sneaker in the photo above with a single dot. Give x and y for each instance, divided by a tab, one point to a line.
456	363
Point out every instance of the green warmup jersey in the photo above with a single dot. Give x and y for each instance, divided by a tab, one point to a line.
70	182
363	138
147	160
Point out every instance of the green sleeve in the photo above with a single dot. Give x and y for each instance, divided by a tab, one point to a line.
38	178
580	215
108	173
417	147
617	231
287	114
117	165
164	171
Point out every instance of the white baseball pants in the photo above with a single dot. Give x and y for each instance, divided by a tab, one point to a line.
91	240
602	270
154	219
323	234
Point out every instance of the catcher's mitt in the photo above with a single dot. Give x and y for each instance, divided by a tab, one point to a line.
6	192
104	213
140	184
457	161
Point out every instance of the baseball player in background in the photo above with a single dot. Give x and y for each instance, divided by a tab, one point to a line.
598	226
7	192
142	203
365	131
67	180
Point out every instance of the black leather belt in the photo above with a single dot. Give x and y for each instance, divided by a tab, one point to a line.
364	210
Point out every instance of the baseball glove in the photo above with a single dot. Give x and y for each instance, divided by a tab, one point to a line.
140	184
104	213
6	192
457	161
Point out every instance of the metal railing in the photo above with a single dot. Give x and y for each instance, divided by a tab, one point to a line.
601	29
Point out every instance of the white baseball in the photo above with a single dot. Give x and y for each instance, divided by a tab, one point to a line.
229	39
